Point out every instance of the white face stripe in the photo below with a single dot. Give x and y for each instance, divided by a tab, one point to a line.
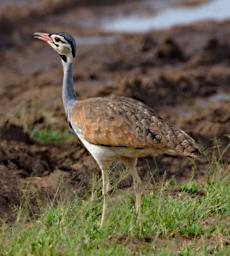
61	39
61	46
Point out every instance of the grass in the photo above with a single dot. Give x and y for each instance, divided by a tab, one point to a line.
178	219
189	218
46	135
39	123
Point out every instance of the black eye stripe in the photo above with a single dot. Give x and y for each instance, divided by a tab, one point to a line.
71	45
68	40
58	40
55	44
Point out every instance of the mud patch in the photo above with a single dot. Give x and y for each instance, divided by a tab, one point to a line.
213	52
44	170
12	132
9	192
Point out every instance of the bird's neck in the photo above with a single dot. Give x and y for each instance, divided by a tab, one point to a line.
68	95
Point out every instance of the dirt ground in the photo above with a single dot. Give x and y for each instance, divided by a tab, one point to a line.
183	72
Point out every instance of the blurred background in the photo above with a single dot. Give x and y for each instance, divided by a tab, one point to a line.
173	55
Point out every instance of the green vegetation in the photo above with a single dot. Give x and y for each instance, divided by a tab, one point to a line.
41	124
50	135
178	219
189	218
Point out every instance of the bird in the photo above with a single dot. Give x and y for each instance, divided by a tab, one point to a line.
115	128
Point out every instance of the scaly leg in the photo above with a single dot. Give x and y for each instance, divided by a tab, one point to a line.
137	188
131	166
105	190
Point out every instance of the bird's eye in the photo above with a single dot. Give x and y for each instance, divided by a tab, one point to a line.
57	39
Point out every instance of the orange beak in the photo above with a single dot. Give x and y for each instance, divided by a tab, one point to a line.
42	36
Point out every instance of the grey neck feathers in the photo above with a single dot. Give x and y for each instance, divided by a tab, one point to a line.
68	95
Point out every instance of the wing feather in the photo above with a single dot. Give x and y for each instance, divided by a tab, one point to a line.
121	121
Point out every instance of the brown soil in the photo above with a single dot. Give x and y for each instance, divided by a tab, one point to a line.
183	72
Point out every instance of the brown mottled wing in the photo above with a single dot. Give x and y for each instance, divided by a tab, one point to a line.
120	121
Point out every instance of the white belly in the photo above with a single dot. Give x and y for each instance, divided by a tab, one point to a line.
104	153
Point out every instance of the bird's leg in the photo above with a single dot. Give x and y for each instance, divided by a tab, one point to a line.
105	195
137	189
105	190
131	166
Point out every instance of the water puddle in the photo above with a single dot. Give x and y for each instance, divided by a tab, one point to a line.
167	18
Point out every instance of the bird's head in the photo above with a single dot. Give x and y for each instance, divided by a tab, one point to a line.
63	43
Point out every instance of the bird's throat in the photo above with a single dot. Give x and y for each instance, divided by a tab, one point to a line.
64	58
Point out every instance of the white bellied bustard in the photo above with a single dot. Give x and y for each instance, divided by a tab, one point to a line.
115	128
